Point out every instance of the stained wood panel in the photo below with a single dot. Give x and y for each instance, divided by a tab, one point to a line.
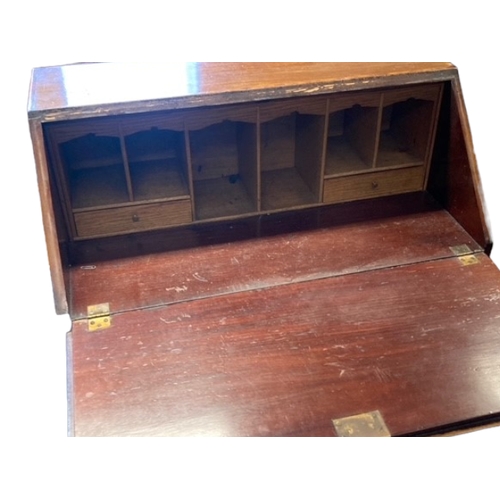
259	324
189	97
370	185
454	177
288	359
133	218
291	248
57	90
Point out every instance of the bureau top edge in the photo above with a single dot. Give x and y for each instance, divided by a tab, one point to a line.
102	89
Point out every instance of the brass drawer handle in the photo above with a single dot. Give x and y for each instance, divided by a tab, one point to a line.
135	218
374	185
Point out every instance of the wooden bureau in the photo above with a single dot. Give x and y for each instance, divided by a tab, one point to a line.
267	249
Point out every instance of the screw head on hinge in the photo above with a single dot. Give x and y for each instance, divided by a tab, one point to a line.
98	316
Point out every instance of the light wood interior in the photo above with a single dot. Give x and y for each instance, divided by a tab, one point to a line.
374	184
95	170
223	175
352	140
405	133
157	163
291	150
132	218
232	161
98	186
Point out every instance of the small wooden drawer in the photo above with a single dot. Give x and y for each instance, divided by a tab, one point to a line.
373	185
133	218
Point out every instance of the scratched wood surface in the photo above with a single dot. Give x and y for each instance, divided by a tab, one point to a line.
454	177
291	247
420	343
96	89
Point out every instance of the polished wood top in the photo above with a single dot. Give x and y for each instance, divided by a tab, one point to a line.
419	343
298	247
332	313
79	90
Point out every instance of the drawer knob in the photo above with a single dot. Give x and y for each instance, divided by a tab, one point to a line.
374	185
135	218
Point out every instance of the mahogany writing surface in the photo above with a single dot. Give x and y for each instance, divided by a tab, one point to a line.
231	183
419	343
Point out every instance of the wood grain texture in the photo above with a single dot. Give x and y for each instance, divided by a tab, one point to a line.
98	187
419	343
361	132
78	90
309	151
373	184
272	110
49	223
454	177
133	218
346	101
222	198
285	188
277	143
289	248
423	92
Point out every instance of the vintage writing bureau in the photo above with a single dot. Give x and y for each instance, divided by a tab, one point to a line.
267	249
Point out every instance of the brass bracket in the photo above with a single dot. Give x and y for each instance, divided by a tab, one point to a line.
461	250
364	425
468	260
98	317
465	255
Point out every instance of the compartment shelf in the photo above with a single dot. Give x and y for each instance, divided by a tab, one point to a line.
224	169
405	132
395	153
291	155
98	187
352	135
284	188
95	171
157	162
224	197
157	180
222	162
341	158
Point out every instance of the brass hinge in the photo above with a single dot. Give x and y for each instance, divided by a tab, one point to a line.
364	425
98	317
465	255
468	260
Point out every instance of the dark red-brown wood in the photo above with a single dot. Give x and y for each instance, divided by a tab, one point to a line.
420	343
275	324
96	89
71	92
454	178
290	248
